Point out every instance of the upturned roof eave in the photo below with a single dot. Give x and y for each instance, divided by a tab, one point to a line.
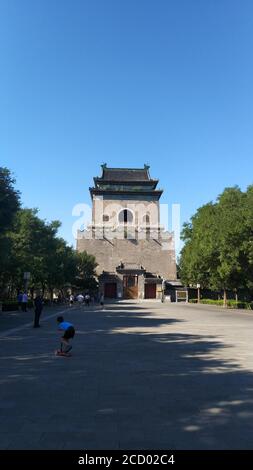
98	179
154	192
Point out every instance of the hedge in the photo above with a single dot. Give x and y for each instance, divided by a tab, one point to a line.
12	305
230	303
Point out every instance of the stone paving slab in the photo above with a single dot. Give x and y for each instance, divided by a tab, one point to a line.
142	376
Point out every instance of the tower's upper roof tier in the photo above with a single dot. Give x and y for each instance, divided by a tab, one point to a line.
124	174
125	180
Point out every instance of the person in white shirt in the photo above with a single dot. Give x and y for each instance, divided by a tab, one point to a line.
80	298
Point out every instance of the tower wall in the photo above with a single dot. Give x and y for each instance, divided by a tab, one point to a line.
151	254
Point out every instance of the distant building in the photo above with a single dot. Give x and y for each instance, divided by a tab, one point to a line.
133	251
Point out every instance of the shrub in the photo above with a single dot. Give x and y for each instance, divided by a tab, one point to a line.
230	303
12	305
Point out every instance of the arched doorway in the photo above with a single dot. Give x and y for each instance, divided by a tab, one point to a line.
130	286
125	216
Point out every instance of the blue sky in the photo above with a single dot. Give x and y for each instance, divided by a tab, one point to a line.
163	82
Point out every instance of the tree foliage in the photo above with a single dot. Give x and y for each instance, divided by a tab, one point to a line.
9	199
9	205
218	249
30	244
86	265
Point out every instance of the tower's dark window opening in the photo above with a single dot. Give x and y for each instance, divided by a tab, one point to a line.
125	216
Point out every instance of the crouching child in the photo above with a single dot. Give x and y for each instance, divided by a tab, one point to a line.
69	333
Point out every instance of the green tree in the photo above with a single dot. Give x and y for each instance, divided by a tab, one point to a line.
32	248
86	271
199	254
9	205
62	266
28	243
218	243
9	199
53	264
232	260
248	241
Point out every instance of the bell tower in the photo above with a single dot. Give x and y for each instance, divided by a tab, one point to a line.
133	251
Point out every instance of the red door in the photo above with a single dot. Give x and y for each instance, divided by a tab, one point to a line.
110	290
150	291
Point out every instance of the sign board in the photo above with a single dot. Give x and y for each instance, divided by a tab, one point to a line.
181	295
27	275
198	286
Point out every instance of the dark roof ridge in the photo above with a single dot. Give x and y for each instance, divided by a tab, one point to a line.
105	167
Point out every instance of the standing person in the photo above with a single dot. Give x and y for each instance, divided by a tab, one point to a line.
24	302
102	299
38	306
87	299
19	298
71	300
80	298
69	333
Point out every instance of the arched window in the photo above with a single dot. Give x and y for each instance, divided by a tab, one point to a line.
125	216
105	218
146	219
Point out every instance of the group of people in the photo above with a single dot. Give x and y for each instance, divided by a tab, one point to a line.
37	303
65	326
86	298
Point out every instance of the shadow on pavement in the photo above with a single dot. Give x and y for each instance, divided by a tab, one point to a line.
131	384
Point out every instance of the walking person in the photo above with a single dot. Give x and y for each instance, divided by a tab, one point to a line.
69	333
38	306
102	300
71	300
87	299
24	302
80	298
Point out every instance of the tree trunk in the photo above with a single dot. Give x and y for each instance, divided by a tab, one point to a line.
43	289
225	298
32	292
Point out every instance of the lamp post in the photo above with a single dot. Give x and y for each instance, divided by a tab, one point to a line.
27	276
198	287
163	289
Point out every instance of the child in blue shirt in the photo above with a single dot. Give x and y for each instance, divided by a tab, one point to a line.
69	333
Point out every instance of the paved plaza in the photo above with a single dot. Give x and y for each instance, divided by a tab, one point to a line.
142	376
